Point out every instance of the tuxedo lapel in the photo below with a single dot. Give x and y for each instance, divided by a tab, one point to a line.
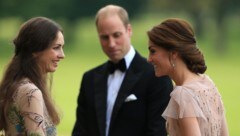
132	76
124	91
100	81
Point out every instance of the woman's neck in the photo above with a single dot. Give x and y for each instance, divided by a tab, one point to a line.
182	75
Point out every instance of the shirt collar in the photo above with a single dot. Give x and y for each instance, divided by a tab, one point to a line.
129	56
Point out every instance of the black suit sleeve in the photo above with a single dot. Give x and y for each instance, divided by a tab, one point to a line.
158	98
80	124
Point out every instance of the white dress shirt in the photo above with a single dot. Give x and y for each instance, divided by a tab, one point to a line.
114	83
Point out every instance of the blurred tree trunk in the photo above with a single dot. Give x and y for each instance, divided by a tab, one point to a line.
221	35
198	22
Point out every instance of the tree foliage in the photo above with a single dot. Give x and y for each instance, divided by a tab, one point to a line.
69	9
72	10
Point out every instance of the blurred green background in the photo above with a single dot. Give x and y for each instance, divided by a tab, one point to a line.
216	23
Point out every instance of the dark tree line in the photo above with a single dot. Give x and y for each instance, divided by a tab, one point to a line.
72	10
69	9
202	10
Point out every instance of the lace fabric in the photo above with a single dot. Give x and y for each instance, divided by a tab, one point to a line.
27	115
199	99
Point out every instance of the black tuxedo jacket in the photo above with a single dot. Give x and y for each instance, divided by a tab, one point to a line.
141	117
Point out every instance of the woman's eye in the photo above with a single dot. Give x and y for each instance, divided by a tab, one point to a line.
55	48
152	51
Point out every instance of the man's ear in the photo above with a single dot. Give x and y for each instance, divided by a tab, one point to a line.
129	29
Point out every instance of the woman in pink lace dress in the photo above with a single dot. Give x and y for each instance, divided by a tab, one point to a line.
26	106
195	107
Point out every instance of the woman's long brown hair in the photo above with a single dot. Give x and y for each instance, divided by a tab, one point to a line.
35	35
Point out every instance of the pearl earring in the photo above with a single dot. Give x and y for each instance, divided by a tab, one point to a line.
172	63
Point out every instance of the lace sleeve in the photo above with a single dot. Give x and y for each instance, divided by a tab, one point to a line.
31	107
183	104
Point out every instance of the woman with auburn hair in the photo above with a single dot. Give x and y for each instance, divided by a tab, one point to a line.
26	106
195	107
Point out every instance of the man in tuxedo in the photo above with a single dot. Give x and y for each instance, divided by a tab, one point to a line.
121	97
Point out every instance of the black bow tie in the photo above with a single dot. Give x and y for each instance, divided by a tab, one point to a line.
121	65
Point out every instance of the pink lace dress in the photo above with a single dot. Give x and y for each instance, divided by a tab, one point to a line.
199	99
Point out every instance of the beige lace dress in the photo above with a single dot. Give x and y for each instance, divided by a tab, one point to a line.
199	99
27	114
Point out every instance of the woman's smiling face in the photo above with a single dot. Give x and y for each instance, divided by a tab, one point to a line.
160	59
48	59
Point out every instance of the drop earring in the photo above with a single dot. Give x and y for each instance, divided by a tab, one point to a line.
172	63
171	60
